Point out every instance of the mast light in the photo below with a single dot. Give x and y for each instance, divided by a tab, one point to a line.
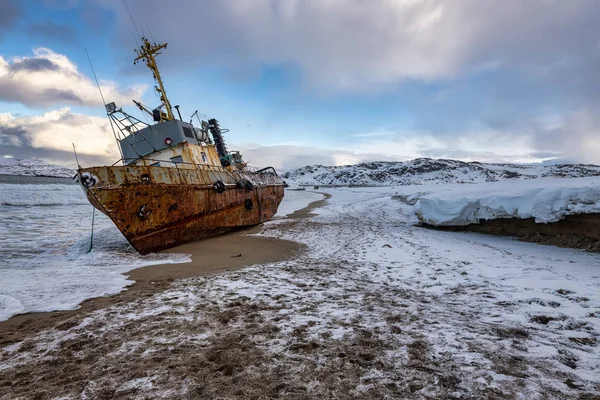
110	107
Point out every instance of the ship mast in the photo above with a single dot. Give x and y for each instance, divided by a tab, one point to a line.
146	53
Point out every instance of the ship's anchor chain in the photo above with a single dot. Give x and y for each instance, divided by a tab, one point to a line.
142	213
219	187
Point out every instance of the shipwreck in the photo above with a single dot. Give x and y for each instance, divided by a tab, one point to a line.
178	183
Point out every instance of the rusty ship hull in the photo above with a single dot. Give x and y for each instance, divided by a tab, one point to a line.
157	208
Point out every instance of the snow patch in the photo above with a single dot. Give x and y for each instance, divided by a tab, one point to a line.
546	200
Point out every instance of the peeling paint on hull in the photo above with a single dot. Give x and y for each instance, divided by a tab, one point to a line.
157	208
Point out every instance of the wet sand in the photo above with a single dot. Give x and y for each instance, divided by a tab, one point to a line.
222	253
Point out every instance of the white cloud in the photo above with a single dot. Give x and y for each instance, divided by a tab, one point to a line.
491	146
487	146
575	138
374	134
360	45
493	65
57	130
284	158
49	79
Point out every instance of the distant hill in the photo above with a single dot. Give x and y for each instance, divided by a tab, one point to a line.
427	170
33	167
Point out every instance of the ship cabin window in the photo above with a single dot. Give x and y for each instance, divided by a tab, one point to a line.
204	159
156	164
188	132
177	160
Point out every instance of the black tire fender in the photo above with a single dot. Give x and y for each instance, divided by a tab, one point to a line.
219	186
88	180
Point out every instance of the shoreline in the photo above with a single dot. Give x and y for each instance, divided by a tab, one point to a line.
209	256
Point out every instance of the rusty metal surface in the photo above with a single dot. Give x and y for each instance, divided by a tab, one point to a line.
117	176
157	208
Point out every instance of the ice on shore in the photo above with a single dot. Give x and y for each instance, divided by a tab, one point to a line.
294	200
546	200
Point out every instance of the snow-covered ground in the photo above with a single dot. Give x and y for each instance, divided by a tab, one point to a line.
376	308
33	167
546	200
427	171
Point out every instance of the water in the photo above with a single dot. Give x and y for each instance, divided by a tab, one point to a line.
45	262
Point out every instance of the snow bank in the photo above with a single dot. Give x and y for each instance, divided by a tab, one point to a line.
546	200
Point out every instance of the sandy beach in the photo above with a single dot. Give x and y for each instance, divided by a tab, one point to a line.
222	253
344	299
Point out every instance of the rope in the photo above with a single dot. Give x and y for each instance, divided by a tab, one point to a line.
92	236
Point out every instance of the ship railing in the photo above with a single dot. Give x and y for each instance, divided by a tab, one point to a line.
265	176
248	168
204	167
267	170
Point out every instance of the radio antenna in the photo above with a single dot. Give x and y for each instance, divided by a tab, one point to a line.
102	96
95	77
150	33
132	21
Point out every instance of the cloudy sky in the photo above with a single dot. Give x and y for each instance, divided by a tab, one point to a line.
312	81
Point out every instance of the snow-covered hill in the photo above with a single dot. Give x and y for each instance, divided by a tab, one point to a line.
426	170
13	166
